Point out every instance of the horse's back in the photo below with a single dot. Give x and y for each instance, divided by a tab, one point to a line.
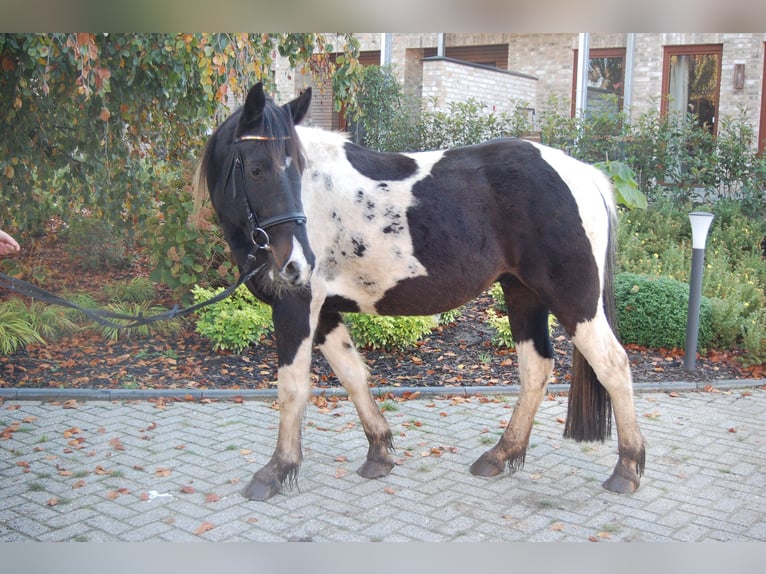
420	233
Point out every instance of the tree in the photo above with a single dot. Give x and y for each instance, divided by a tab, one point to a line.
89	121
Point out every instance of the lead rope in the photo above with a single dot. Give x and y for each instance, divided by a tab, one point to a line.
103	316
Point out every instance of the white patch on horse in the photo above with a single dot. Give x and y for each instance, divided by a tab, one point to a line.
581	178
372	241
298	258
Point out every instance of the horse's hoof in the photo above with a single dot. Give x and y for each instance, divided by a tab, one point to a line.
375	469
260	490
621	484
486	467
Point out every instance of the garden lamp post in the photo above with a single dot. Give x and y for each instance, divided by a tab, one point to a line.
700	221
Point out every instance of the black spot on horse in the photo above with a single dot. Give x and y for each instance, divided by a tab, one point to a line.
380	166
359	246
359	196
394	220
369	210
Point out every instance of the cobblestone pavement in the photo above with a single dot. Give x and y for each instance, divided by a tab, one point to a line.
160	470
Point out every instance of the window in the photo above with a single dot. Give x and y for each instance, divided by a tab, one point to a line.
606	79
691	82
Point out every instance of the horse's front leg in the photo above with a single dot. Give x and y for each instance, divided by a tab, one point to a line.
336	345
294	331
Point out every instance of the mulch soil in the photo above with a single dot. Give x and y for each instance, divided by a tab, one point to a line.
455	355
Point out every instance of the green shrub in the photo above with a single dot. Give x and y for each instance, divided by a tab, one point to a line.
135	309
503	336
50	321
137	290
652	311
183	254
754	338
388	332
234	323
16	329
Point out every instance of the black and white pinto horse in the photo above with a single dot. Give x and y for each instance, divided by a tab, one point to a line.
334	228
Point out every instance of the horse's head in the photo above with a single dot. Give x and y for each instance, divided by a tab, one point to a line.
253	165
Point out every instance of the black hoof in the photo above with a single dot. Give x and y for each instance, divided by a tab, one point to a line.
621	484
269	480
626	476
375	469
261	490
486	466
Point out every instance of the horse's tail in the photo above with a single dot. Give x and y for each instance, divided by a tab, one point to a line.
589	417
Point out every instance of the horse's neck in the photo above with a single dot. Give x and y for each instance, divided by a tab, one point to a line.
320	143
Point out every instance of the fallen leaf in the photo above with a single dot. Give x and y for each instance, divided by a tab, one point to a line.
70	432
732	430
557	526
70	404
340	472
389	490
79	484
52	501
204	527
212	497
162	472
187	489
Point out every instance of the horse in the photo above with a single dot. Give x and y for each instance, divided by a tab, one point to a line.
326	227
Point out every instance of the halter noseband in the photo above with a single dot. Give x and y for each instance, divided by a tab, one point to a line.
259	236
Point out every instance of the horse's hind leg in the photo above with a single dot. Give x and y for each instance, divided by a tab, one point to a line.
529	324
335	343
606	356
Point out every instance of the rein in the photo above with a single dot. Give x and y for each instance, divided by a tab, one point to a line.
105	317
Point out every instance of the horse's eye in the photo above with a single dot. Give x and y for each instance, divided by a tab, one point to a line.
256	172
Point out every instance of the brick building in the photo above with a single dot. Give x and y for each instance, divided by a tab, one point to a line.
713	74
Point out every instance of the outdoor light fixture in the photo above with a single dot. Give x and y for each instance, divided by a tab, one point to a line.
700	221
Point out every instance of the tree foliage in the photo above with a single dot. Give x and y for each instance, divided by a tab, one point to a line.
87	118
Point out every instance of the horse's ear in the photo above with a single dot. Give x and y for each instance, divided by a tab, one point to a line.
299	106
254	104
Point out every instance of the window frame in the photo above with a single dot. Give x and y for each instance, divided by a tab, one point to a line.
690	50
593	53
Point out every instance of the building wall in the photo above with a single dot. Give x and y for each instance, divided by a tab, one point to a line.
550	59
446	81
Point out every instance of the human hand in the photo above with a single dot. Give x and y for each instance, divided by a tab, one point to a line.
7	244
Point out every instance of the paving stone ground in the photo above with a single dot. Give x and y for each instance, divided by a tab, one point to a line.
173	471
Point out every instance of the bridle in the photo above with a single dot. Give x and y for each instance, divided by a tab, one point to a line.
259	236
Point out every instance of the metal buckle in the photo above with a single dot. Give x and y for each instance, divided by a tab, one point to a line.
261	239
